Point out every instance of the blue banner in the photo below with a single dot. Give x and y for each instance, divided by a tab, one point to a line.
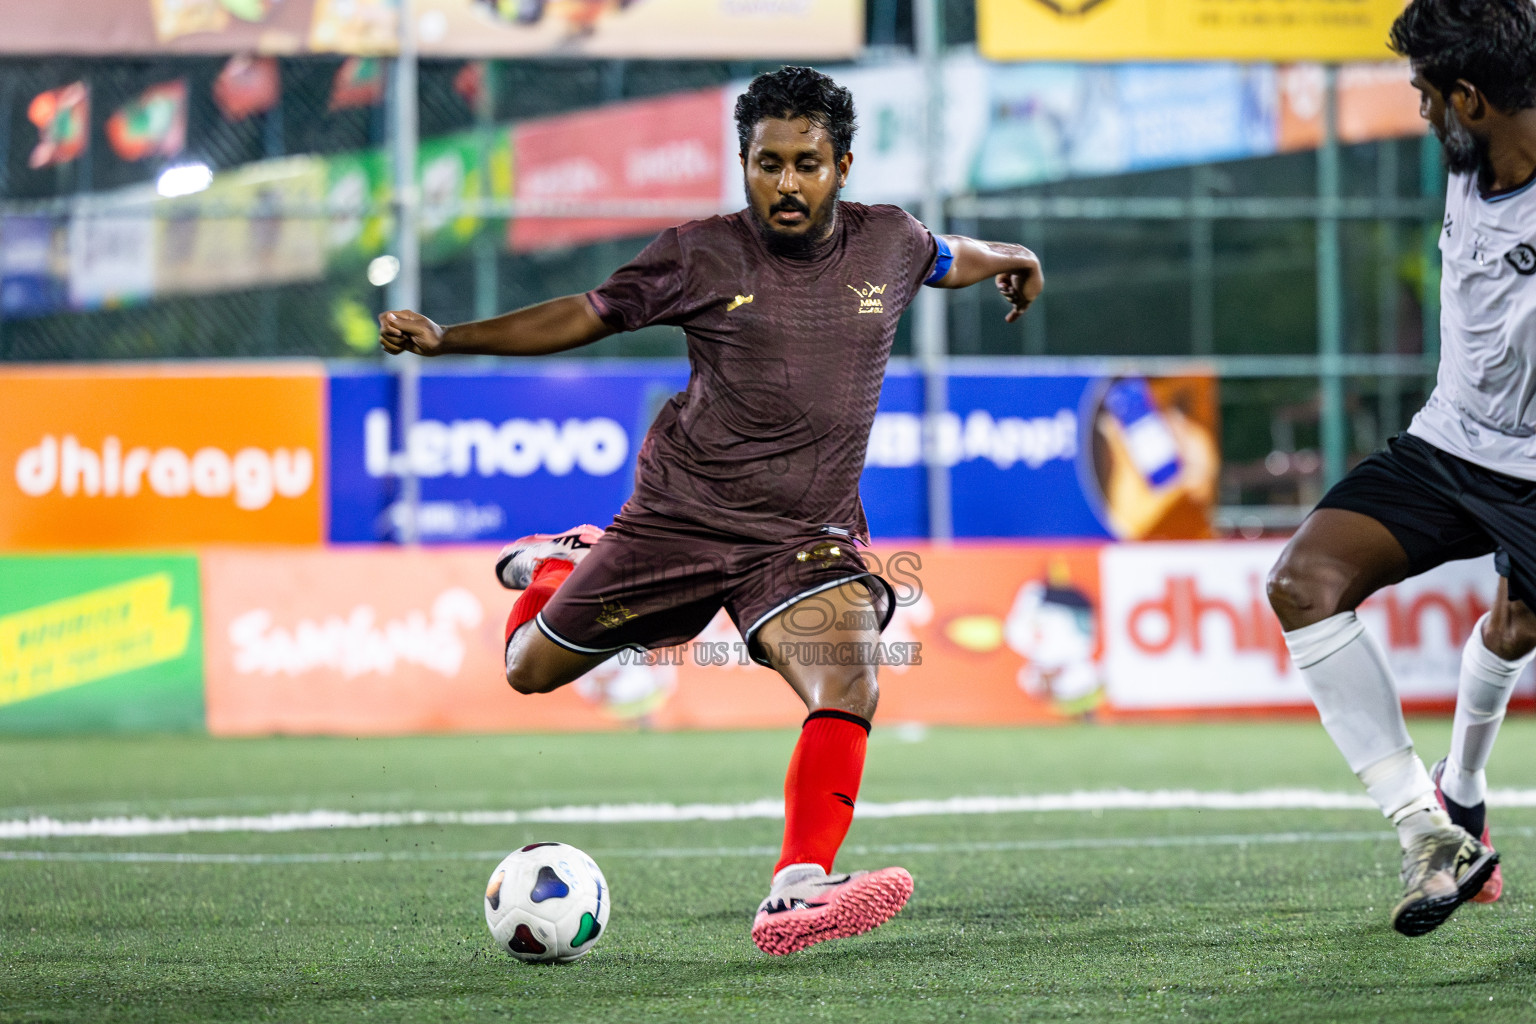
499	456
34	266
1012	445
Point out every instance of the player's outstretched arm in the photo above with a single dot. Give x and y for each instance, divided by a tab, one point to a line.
554	326
1015	269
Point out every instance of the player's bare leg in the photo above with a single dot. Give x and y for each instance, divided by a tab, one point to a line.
1493	660
1336	560
822	647
1333	563
536	664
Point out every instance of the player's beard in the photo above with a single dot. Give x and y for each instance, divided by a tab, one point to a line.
781	244
1463	154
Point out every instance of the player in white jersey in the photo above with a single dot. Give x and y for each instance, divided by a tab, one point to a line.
1460	483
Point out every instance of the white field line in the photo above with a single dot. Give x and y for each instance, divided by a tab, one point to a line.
1382	835
43	827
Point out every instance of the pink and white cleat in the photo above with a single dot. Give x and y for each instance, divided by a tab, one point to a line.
520	559
806	906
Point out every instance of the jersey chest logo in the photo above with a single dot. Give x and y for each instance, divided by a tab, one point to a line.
870	297
1523	258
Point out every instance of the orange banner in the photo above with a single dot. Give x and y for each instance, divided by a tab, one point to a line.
366	641
129	457
375	641
1375	102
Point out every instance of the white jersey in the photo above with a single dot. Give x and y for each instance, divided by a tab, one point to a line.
1483	408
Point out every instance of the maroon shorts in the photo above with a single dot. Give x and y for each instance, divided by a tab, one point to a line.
653	581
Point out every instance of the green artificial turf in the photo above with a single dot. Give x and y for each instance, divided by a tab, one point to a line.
1119	915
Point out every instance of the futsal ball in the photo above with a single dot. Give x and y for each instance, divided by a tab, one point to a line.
547	903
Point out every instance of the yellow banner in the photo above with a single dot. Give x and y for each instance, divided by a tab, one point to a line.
1278	30
90	636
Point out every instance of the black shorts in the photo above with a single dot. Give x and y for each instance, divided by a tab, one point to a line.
654	581
1442	508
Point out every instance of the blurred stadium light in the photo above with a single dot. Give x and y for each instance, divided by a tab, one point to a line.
1273	225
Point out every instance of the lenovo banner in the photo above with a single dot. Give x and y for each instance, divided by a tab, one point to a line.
497	456
130	457
503	455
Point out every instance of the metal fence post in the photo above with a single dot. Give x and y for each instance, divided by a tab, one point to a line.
929	342
405	290
1431	180
1330	289
487	245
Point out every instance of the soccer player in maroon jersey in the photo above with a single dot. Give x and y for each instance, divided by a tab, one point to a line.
747	486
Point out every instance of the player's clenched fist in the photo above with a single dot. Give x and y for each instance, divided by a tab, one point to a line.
403	330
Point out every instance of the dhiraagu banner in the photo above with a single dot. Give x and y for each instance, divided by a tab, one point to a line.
91	643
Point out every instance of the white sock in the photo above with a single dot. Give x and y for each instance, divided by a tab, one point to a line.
1411	826
1401	787
1348	679
1487	680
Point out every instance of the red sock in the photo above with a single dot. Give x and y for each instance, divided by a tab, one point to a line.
546	580
822	784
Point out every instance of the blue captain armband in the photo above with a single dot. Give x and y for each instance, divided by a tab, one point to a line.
941	265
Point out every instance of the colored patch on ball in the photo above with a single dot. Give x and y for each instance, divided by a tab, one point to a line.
588	932
523	941
549	886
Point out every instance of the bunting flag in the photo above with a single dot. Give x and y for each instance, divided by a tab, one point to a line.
469	83
63	120
359	82
247	86
153	124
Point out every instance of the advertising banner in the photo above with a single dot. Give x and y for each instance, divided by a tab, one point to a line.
1117	30
716	29
234	234
1124	458
711	29
100	643
386	641
503	455
451	172
157	26
357	189
1054	121
625	158
497	456
112	253
34	265
1375	102
108	458
982	635
1187	626
366	642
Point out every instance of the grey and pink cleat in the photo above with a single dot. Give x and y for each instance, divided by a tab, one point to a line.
807	906
520	559
1475	820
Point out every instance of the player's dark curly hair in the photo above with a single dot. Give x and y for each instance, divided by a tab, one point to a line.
1490	43
792	92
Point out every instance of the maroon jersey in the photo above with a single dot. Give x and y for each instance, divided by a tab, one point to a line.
787	353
